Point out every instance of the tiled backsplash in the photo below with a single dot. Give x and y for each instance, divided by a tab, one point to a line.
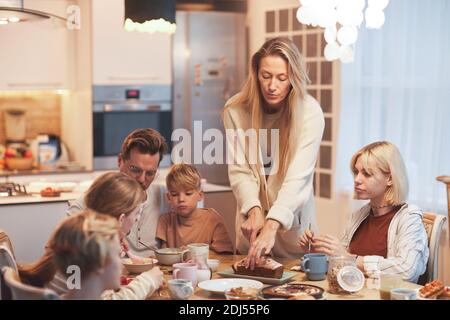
43	112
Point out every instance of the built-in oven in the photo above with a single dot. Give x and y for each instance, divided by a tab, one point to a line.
118	110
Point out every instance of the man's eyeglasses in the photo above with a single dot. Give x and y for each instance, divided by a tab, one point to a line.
137	172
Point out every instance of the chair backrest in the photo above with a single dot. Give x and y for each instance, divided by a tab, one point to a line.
21	291
7	259
433	225
446	180
5	241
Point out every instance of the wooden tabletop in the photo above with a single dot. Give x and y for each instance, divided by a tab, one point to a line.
227	260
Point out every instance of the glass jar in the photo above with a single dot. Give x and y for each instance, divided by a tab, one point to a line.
335	264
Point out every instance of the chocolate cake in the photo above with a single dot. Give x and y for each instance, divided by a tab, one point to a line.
269	268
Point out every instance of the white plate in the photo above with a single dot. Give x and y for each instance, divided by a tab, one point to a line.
229	273
419	297
221	285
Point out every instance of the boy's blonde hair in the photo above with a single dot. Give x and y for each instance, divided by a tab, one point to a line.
184	176
114	193
84	240
387	158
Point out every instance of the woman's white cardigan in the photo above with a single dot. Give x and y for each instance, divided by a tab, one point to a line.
407	252
290	201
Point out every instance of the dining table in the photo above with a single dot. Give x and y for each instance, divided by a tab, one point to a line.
368	292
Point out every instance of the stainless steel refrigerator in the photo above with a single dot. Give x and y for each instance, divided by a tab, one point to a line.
210	65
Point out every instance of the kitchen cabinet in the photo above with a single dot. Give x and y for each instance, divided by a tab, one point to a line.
122	57
29	226
37	54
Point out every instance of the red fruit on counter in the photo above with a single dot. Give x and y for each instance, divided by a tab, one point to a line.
28	154
10	153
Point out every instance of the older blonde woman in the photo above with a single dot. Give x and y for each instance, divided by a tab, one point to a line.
387	234
274	184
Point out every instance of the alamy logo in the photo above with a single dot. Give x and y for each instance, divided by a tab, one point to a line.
235	147
74	279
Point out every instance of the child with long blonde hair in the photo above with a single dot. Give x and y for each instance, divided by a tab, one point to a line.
89	244
117	195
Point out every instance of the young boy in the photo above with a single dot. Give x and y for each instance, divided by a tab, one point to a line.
186	223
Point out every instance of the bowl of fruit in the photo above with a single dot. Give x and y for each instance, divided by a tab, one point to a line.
18	159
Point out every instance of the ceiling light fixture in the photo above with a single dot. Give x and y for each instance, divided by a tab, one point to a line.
341	20
150	16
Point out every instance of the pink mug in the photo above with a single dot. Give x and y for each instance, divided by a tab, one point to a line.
186	271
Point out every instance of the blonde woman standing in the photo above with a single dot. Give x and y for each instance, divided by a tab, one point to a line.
386	235
273	184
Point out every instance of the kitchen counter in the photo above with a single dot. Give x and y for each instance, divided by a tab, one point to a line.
37	198
29	220
67	196
14	173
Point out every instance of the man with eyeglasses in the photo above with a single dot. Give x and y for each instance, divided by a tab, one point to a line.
140	156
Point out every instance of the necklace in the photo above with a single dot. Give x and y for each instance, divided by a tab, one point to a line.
387	205
379	207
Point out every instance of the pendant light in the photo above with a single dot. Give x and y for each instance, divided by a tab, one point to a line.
150	16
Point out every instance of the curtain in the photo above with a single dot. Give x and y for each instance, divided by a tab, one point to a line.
398	89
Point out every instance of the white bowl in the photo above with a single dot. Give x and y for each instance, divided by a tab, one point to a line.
213	264
169	256
139	268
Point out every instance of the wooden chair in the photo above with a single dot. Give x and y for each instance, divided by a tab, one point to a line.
433	225
446	180
21	291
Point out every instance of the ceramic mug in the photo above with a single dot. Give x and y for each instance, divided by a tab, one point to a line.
403	294
315	266
204	274
180	289
186	271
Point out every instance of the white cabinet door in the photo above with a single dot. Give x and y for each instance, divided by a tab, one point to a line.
122	57
37	54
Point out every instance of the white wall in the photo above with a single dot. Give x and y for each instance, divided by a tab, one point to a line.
76	109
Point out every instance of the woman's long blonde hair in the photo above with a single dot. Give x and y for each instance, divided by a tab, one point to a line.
250	96
114	193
